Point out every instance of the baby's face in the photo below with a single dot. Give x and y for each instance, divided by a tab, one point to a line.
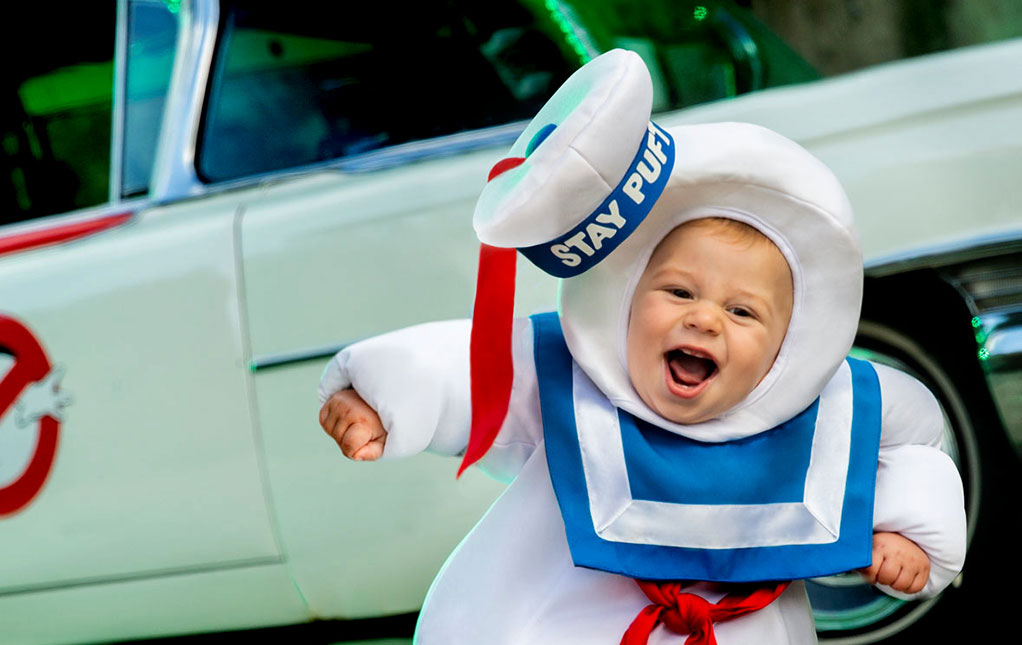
707	320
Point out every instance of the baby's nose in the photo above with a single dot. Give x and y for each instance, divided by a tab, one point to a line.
703	318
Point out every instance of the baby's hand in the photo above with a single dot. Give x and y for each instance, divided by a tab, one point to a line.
898	563
353	425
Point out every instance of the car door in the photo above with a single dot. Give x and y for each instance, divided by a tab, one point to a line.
127	447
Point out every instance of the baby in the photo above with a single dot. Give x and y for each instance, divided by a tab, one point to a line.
688	414
710	311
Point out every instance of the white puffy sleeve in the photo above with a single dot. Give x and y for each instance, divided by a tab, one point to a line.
919	491
417	380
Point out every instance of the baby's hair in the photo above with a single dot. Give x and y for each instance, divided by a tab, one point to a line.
731	229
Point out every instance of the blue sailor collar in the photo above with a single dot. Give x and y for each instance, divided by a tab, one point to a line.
792	502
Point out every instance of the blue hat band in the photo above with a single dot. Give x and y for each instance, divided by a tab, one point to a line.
613	221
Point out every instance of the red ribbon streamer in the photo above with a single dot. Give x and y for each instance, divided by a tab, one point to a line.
492	369
686	613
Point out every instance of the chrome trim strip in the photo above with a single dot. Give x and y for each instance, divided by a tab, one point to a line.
437	147
174	168
120	98
289	358
142	575
391	157
945	253
992	289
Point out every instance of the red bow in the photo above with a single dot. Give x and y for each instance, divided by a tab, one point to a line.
686	613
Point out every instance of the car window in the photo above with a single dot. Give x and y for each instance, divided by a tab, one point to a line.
294	83
152	35
55	106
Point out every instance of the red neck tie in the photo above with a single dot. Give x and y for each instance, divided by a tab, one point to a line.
687	613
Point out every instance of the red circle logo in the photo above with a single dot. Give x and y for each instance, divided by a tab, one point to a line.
30	366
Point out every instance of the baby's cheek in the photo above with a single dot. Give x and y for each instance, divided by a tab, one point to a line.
633	350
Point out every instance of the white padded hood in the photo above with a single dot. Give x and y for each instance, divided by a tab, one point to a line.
751	174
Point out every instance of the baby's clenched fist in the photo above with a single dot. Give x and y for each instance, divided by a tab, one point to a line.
353	425
898	563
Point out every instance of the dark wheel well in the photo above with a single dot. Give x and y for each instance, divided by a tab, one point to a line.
921	320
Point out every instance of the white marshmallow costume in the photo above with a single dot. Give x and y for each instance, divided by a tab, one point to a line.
515	578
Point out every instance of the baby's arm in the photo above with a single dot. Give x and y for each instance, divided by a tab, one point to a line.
919	491
414	382
407	391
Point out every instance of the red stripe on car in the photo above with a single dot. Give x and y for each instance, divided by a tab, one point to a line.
60	233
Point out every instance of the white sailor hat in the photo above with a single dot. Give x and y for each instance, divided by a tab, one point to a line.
583	174
576	183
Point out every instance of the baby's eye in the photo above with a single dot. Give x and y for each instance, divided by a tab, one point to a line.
741	312
681	293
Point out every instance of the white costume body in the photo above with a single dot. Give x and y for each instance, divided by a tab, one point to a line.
593	175
512	579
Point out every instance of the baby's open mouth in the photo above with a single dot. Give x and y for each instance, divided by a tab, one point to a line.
689	369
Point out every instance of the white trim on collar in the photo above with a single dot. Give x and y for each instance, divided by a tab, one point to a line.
619	518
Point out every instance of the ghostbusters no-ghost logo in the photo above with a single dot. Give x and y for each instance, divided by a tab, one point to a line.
30	415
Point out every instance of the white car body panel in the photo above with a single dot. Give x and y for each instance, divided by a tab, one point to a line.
147	436
333	257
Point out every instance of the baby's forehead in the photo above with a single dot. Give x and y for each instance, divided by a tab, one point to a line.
758	267
726	227
728	230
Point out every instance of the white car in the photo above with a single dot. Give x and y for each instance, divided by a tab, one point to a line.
202	201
